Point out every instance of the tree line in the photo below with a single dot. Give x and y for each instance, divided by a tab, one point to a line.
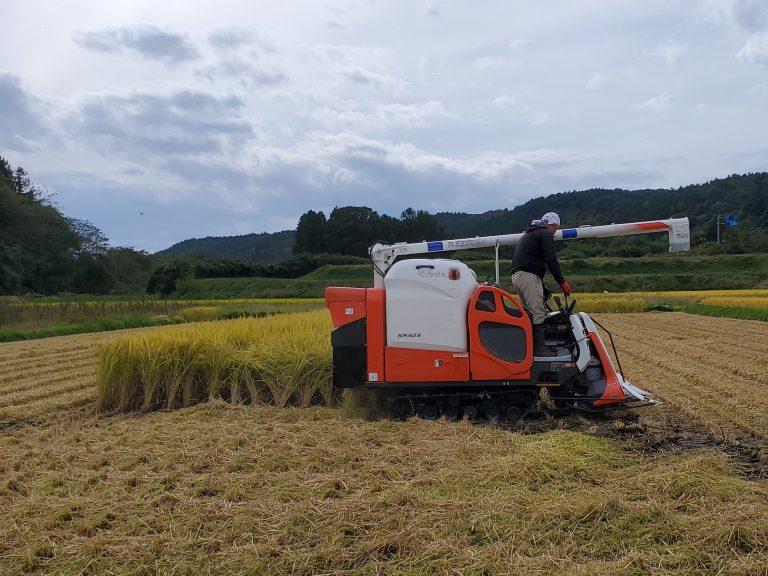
44	252
352	230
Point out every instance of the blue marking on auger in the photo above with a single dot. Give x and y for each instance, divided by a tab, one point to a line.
434	246
569	233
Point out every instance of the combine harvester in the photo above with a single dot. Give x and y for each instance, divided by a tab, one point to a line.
443	344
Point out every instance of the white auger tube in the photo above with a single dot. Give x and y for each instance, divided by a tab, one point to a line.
384	255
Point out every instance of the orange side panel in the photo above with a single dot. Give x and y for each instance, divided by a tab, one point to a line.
376	333
345	304
484	365
613	393
407	365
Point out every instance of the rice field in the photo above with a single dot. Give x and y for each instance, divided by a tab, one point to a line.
640	301
16	312
282	360
240	489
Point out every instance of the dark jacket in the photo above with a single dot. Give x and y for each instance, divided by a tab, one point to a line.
536	252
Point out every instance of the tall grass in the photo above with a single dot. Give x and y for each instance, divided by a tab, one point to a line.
278	360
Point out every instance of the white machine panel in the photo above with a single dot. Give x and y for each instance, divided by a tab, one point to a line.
427	302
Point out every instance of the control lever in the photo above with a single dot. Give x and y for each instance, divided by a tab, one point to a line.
559	304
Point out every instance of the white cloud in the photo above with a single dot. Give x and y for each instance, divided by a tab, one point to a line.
505	101
671	54
596	81
384	116
505	55
658	104
533	116
760	91
755	50
146	40
751	14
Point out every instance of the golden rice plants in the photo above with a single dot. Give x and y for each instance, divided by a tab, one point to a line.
199	313
280	359
756	302
609	303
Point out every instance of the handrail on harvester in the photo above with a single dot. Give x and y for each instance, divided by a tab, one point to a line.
384	255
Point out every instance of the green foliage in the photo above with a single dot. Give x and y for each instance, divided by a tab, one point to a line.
37	243
310	234
42	251
129	268
164	278
264	247
293	267
354	229
727	312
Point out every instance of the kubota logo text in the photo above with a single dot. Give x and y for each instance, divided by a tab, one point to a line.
409	335
431	274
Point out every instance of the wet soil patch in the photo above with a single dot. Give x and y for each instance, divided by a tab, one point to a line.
662	429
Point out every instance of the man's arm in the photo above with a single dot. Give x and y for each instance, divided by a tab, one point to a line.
550	258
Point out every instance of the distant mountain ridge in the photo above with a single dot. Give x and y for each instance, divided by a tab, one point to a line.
744	195
259	247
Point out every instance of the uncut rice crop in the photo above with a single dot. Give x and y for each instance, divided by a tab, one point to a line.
17	312
609	303
279	360
757	302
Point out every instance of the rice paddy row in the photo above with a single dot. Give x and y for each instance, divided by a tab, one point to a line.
279	360
16	312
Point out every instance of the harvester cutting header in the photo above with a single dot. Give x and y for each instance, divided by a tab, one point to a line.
444	344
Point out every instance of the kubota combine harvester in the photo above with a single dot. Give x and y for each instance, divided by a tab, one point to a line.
443	344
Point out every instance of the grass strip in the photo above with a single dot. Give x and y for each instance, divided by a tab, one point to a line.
726	312
82	328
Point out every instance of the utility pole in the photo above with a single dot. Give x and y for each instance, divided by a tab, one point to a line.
717	220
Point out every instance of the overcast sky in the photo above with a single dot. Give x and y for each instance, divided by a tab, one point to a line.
165	120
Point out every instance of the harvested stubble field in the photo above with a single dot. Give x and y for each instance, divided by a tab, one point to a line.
221	488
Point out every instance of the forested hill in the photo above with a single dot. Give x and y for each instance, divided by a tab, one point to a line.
44	252
745	196
264	247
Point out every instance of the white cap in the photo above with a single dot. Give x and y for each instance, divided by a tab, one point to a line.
551	218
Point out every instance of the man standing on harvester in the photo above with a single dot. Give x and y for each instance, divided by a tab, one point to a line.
534	254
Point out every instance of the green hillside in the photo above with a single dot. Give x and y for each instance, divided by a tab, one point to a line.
743	195
264	247
650	273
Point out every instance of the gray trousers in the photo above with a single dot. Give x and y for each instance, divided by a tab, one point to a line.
531	291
